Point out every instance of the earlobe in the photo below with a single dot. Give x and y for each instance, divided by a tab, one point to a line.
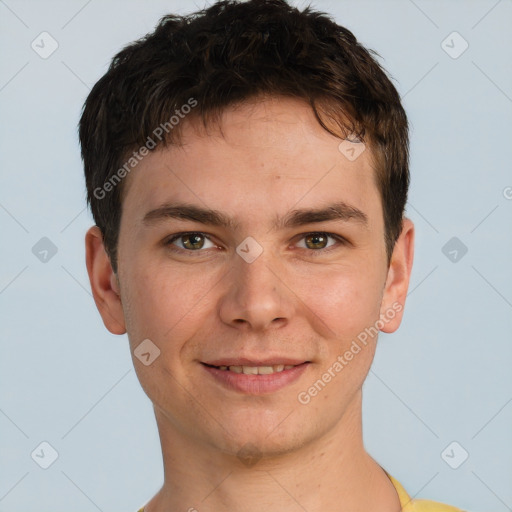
397	282
104	282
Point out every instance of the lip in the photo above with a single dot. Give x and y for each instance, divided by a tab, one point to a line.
245	361
255	384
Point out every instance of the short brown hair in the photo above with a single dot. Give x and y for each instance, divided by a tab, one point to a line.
229	53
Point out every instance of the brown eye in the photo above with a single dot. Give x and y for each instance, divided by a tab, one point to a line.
316	240
320	242
191	241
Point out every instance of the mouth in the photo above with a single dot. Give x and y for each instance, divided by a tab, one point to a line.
255	369
255	377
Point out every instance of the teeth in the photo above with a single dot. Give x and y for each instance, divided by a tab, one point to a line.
263	370
258	370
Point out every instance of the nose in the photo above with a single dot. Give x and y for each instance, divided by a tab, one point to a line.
256	297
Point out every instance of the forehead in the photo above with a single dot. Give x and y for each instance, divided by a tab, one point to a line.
270	151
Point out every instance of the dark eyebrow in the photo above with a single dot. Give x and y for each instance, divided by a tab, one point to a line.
337	211
190	212
296	218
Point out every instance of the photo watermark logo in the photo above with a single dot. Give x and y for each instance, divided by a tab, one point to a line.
150	144
304	397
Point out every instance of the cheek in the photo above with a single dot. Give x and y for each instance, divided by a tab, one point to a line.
162	303
349	304
347	299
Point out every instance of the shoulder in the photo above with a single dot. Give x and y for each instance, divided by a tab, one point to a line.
430	506
419	505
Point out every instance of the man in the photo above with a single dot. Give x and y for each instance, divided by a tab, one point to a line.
247	169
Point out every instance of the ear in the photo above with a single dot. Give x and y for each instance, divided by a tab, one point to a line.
104	283
397	282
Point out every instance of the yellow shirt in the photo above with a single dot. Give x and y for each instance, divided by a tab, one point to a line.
410	505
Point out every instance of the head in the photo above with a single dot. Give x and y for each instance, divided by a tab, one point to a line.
198	65
231	122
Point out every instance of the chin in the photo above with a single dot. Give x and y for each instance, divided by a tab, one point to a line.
250	442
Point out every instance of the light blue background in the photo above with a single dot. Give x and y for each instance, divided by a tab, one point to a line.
444	376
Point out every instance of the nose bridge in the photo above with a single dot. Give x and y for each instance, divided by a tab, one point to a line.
259	278
256	296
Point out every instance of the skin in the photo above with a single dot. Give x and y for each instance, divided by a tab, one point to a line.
300	298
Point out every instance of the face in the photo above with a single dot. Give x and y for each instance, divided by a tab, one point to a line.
258	251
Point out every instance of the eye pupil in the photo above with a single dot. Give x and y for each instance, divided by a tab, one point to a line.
316	241
193	241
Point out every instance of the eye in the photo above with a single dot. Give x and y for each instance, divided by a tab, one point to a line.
318	241
196	241
191	241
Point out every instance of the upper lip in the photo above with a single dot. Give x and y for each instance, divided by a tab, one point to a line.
244	361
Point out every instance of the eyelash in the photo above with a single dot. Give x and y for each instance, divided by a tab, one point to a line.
316	252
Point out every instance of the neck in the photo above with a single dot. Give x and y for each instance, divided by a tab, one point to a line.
332	473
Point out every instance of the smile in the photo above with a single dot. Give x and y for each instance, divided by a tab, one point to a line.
255	379
256	370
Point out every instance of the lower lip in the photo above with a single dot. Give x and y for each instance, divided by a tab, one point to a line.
256	384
